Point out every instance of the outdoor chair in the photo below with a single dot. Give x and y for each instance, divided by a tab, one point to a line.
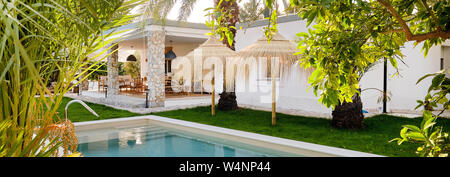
125	82
102	82
139	85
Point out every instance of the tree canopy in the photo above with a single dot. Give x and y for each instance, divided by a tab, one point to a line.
348	35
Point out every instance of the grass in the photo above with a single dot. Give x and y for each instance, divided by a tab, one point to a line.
77	113
373	139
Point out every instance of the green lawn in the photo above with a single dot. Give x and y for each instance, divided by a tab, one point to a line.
373	139
77	113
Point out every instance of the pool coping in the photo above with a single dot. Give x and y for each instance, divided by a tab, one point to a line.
281	144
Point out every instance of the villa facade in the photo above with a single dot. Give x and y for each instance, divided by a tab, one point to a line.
153	42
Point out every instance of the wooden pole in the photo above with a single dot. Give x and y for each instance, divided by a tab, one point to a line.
274	118
98	83
385	86
213	99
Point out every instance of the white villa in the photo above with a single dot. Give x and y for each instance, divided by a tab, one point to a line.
158	45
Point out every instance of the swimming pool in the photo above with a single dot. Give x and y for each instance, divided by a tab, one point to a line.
158	141
157	136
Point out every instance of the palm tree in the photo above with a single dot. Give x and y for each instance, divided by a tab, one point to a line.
232	8
350	115
247	12
287	8
227	100
45	41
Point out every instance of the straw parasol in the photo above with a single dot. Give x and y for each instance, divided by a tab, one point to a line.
210	48
213	48
278	47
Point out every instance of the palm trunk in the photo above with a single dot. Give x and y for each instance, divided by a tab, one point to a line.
227	100
348	115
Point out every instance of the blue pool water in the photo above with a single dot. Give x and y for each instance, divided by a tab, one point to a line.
155	141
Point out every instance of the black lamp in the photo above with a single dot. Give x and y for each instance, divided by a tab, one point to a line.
146	97
131	58
170	54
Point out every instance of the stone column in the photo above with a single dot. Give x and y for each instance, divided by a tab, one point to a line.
113	72
156	75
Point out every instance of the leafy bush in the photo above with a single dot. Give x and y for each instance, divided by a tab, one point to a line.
435	142
45	41
133	68
101	71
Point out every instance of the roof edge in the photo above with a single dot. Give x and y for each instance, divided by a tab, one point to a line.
171	23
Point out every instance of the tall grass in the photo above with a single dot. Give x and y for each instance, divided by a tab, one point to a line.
44	40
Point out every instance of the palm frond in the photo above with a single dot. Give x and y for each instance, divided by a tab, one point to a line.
38	41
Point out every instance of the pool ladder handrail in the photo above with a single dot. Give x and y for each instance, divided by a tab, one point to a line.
82	103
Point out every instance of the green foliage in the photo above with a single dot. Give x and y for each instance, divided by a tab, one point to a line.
38	39
133	68
437	92
348	36
271	27
43	146
251	11
436	143
344	42
102	70
219	25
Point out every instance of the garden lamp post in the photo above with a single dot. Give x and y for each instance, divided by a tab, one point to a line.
146	97
106	91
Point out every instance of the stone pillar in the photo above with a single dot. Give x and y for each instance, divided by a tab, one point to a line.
113	72
156	76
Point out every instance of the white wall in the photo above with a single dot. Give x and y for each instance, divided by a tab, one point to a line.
292	90
248	36
403	87
446	56
405	92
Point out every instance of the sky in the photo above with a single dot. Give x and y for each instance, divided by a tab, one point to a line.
198	13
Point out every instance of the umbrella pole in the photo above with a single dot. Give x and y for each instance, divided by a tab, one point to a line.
213	94
274	118
213	99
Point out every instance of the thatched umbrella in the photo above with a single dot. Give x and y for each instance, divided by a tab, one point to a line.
209	49
278	47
